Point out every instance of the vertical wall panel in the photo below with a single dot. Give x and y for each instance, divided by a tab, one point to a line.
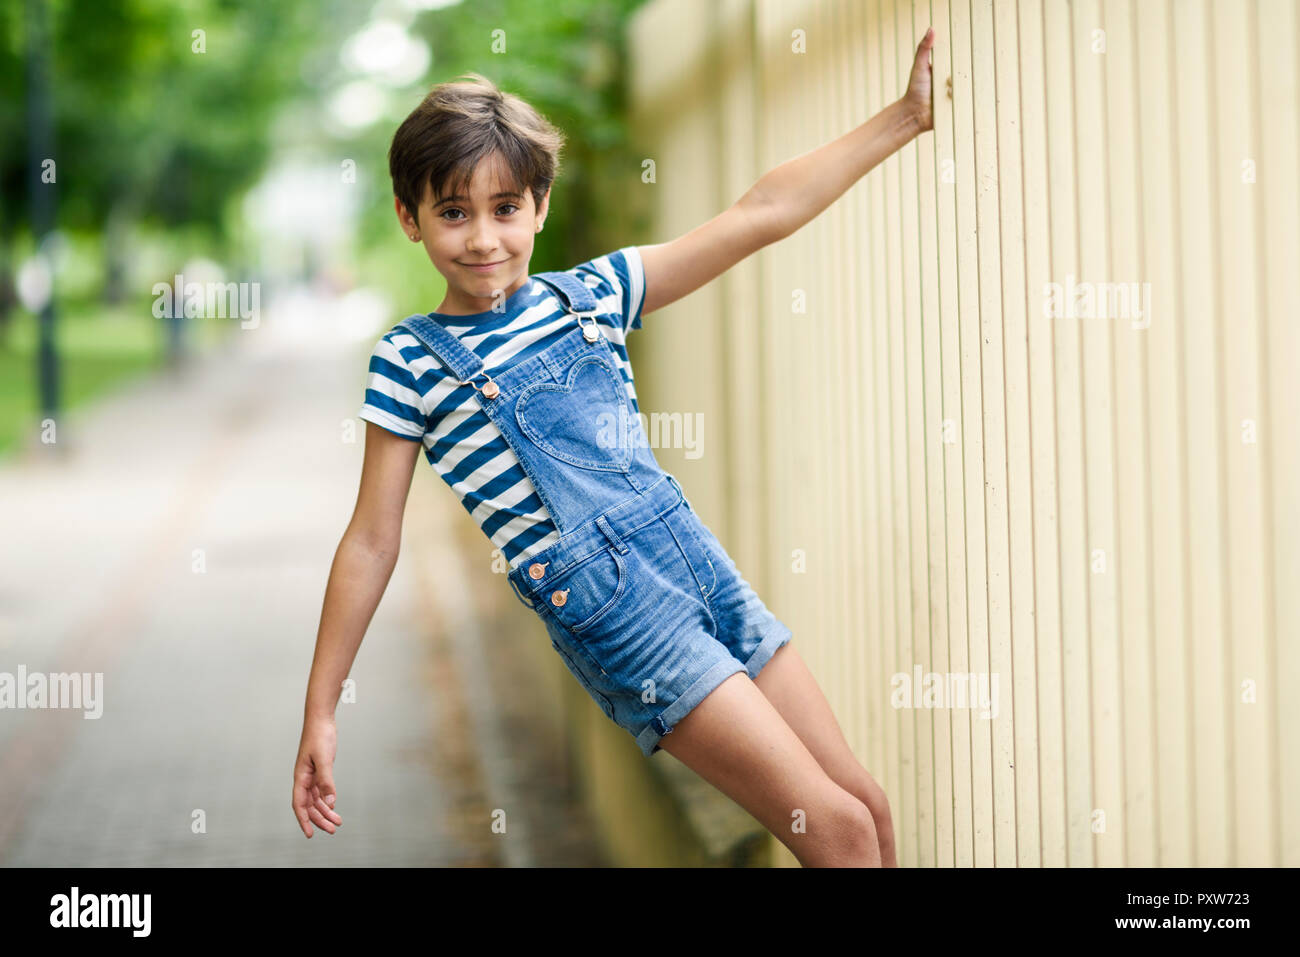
1129	331
1248	681
1201	345
1040	330
935	743
974	730
1017	685
1059	49
1038	417
1170	700
955	814
999	727
1278	28
1097	379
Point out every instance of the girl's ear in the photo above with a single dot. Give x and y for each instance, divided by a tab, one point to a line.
408	222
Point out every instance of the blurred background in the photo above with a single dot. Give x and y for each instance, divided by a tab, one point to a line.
247	142
173	485
1018	408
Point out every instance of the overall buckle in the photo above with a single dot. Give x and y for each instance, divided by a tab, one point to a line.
589	332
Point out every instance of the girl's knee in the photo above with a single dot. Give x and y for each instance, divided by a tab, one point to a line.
863	842
846	835
872	796
867	791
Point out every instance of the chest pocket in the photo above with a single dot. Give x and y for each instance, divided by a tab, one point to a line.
583	420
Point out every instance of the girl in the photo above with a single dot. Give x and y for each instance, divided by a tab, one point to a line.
519	390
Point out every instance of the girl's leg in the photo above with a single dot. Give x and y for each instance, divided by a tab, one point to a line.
738	742
788	684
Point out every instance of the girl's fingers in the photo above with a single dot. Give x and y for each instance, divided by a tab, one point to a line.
922	57
319	800
328	811
923	47
319	820
326	800
301	799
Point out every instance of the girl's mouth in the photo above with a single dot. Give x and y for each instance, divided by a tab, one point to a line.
485	267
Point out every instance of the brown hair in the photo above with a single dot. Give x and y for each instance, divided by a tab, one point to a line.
458	124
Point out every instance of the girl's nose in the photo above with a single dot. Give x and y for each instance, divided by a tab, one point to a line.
482	242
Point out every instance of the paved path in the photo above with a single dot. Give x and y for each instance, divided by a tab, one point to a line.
179	542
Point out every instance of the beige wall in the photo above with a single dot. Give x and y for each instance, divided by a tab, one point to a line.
925	470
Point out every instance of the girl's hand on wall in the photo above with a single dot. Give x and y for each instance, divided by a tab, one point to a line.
919	98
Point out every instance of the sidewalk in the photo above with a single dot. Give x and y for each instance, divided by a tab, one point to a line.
180	544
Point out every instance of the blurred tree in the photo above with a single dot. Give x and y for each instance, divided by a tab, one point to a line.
168	124
153	123
13	158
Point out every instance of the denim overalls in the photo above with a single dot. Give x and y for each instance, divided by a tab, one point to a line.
640	599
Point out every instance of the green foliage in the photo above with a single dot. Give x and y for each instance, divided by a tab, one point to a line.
143	123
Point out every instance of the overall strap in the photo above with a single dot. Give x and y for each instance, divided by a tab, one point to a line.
574	294
446	348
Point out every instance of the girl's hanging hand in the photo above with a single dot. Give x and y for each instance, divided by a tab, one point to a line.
919	98
313	777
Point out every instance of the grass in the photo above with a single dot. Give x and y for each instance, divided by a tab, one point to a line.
100	348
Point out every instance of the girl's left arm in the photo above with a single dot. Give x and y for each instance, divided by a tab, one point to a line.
790	195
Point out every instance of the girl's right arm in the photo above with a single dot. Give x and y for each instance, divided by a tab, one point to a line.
362	567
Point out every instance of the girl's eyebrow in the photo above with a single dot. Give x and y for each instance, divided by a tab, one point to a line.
465	199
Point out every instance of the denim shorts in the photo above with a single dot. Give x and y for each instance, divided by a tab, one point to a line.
649	612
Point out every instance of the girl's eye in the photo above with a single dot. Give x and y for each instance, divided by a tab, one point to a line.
452	209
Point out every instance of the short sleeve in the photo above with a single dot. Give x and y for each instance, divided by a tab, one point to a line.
618	279
392	399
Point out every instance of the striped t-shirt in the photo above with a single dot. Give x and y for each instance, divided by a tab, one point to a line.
410	393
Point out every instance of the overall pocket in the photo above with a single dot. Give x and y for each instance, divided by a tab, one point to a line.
582	421
584	595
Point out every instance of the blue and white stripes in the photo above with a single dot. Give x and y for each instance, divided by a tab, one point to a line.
410	393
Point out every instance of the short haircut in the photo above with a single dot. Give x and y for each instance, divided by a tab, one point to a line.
460	123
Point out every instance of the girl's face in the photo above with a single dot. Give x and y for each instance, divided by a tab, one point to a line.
492	226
